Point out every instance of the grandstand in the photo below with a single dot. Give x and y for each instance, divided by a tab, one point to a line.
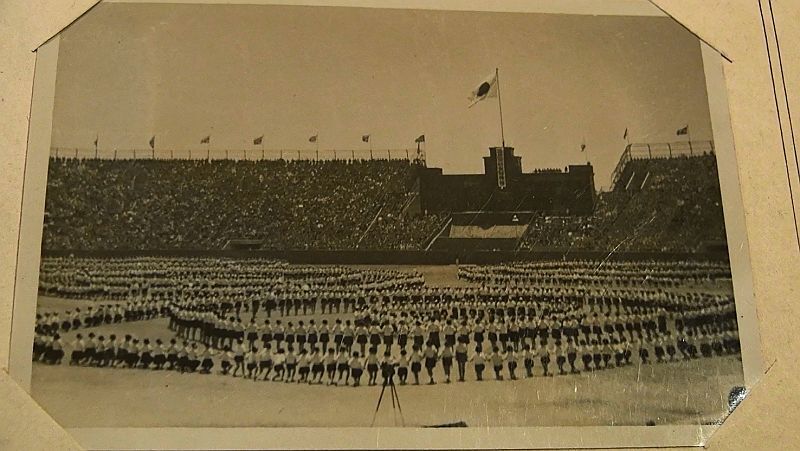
665	198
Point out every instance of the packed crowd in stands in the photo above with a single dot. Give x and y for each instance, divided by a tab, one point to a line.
199	204
327	324
668	204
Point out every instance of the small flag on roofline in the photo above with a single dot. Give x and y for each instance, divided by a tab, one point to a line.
365	138
153	142
420	139
313	139
683	131
206	140
625	136
258	140
485	89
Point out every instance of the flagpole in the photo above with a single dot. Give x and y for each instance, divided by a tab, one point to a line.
500	105
585	149
96	138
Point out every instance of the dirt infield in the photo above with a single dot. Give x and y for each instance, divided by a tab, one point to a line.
673	393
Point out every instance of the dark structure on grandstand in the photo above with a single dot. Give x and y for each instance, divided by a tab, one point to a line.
505	187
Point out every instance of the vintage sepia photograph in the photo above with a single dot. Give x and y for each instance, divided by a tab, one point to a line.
285	216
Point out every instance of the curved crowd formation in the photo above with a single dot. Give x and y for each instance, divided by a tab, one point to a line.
318	324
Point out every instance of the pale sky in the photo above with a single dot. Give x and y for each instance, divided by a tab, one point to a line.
181	72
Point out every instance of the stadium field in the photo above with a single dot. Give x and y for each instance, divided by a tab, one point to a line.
682	392
690	392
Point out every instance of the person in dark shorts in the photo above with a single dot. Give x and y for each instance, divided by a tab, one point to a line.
265	361
446	356
330	365
402	367
545	352
416	363
159	355
511	359
291	364
388	368
317	366
206	361
239	351
430	355
572	354
251	363
479	362
496	358
461	358
372	365
356	368
78	347
226	357
146	358
303	367
342	365
279	365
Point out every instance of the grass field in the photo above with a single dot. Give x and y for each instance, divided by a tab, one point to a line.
688	392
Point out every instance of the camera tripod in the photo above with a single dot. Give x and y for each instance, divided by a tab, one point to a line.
395	402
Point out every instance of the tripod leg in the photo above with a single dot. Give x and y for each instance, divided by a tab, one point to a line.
380	398
394	408
400	409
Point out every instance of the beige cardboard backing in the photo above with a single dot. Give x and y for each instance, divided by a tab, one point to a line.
733	27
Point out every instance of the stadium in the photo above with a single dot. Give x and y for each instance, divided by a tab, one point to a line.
234	233
505	298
